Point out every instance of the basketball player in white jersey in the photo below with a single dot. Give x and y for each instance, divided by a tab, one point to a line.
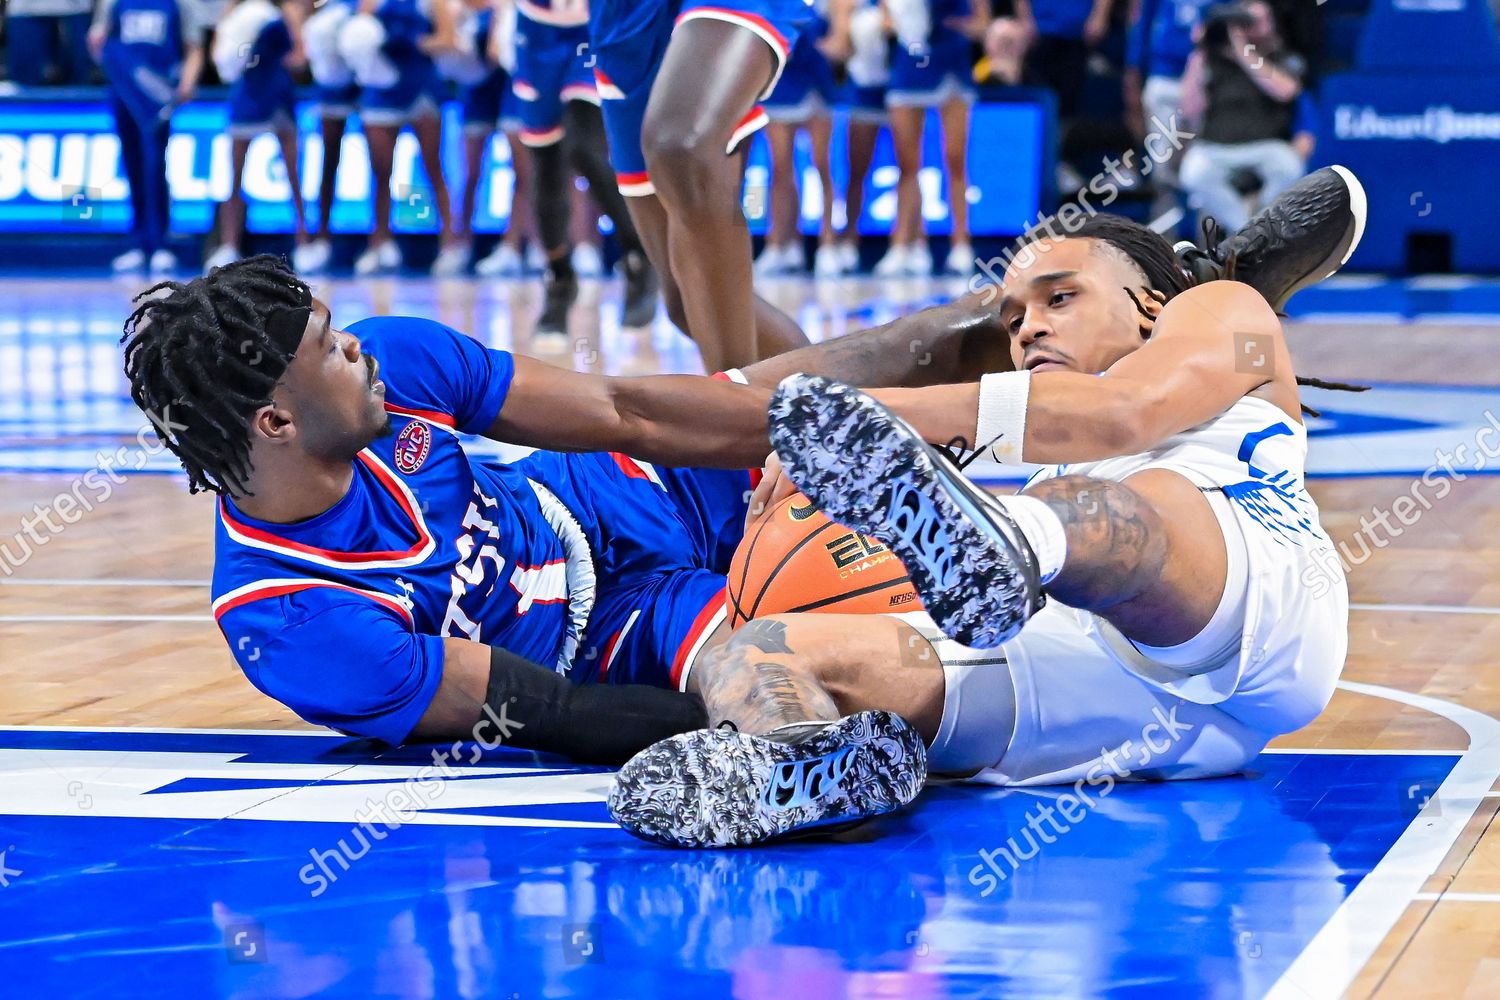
1158	602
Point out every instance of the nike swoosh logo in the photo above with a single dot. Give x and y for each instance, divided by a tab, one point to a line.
801	513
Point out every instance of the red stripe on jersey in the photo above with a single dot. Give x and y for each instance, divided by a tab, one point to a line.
699	624
724	13
279	590
429	415
628	466
352	558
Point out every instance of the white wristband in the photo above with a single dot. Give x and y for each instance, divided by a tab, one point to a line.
735	375
1002	415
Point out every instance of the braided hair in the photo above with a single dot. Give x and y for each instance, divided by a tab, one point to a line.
201	360
1155	257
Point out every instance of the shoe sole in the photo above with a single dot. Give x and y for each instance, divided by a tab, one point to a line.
868	469
720	788
1339	256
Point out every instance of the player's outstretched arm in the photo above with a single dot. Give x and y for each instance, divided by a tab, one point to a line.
669	419
1208	347
956	342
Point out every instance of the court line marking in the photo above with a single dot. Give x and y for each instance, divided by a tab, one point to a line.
1329	752
1459	897
1434	609
1346	943
21	619
102	581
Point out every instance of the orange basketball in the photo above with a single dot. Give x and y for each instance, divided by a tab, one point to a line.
795	559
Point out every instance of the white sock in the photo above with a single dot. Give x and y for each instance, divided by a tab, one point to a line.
1043	530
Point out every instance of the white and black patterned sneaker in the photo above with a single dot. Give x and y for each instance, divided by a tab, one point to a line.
724	788
868	469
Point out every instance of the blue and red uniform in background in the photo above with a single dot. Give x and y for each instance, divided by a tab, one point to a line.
553	65
629	40
604	568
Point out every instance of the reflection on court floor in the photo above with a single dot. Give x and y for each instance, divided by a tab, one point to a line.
234	864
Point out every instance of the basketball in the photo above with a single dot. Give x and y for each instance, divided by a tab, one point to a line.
795	559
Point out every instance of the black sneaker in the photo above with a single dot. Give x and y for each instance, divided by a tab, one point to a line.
640	291
723	788
868	469
1304	236
558	295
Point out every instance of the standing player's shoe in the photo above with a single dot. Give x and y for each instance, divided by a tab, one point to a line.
868	469
723	788
1304	236
640	291
558	295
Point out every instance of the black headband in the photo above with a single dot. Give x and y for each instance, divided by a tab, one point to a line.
284	328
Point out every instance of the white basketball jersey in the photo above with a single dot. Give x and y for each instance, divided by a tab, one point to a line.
1297	615
1253	451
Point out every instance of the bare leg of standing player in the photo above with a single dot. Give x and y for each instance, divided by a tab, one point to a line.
710	78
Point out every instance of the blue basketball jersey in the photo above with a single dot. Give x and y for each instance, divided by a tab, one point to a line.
341	617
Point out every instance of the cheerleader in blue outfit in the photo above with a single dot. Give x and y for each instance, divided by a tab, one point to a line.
256	46
388	44
335	95
931	67
151	59
802	99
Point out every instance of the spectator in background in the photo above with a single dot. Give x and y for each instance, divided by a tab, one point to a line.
856	38
1160	44
1243	84
152	57
48	33
1066	31
255	48
802	99
389	44
931	67
519	249
335	94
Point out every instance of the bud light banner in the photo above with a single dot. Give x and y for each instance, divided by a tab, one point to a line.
60	172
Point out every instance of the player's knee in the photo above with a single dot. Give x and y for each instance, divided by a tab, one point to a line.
685	162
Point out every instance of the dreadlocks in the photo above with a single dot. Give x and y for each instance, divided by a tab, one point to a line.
204	356
1164	270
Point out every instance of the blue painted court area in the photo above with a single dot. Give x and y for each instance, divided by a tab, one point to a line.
216	862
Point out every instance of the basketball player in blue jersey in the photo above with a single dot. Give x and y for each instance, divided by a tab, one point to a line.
564	129
681	81
1159	602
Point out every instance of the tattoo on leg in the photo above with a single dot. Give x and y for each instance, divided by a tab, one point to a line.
765	634
1117	545
757	681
